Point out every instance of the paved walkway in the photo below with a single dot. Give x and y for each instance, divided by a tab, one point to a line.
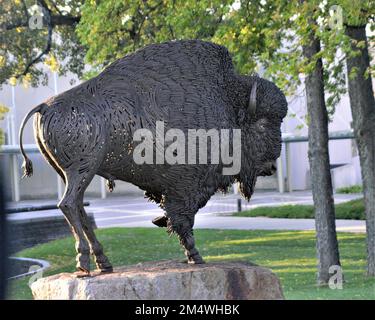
138	212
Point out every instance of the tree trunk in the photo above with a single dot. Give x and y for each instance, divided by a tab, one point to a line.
362	103
326	239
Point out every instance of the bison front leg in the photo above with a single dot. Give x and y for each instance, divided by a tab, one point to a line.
182	225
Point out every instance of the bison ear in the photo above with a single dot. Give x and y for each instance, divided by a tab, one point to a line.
252	107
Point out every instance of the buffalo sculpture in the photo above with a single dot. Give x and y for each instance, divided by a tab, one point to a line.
191	84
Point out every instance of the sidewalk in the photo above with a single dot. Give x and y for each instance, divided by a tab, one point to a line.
138	212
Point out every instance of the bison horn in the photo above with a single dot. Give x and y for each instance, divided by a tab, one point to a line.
253	99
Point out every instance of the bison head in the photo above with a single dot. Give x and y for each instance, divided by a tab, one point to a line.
262	112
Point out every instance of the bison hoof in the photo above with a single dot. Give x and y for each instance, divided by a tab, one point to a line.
82	273
197	259
106	270
160	221
103	265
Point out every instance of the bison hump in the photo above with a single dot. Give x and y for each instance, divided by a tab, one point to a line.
189	58
181	82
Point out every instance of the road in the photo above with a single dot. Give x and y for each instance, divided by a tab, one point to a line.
138	212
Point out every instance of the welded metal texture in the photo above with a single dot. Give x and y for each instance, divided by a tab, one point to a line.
191	84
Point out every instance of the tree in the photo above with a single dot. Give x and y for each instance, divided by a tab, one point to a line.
110	29
363	111
327	245
114	28
24	42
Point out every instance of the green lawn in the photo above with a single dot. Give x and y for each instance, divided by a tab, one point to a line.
290	254
354	209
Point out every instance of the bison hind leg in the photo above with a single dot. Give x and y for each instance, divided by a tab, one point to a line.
72	207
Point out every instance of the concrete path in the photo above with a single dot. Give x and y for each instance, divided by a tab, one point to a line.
138	212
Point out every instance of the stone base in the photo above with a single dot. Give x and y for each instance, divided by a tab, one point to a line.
166	280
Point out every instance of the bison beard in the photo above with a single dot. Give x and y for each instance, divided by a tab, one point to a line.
192	84
247	185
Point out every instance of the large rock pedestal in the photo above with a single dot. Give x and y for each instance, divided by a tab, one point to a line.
165	280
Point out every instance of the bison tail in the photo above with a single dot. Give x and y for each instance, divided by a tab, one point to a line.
27	165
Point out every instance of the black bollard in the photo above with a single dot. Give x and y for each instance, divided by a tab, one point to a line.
239	205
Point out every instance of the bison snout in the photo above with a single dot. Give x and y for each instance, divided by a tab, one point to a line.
268	169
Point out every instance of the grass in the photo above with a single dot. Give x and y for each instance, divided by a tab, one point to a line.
351	189
354	209
290	254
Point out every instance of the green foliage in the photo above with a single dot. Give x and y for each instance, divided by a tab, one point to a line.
290	254
257	33
110	29
20	45
252	30
267	33
353	210
352	189
355	13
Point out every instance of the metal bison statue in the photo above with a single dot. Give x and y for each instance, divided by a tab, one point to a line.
89	130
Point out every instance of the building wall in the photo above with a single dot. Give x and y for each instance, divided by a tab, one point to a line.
342	152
